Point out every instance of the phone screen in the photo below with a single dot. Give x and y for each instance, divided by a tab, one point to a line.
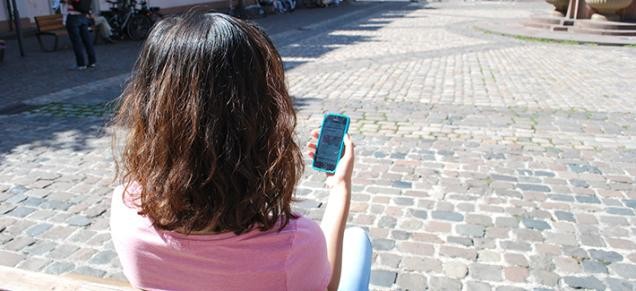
330	142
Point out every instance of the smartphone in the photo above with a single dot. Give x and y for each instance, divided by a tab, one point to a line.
330	142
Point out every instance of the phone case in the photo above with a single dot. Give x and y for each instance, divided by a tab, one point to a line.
341	145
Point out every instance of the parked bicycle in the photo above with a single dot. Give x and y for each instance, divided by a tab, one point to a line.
131	18
320	3
279	6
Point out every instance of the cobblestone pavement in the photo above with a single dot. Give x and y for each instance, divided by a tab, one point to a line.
484	162
41	73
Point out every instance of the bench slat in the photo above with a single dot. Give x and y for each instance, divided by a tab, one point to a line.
16	279
49	23
51	28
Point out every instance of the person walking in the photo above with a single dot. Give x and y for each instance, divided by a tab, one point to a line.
77	23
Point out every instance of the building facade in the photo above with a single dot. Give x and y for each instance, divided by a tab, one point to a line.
31	8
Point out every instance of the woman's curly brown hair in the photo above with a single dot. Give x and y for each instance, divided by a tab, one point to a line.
210	127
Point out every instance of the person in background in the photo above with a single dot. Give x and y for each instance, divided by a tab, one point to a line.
210	166
55	6
103	28
77	24
101	24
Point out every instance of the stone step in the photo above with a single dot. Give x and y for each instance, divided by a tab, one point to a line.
547	19
604	31
535	24
562	24
559	28
17	279
605	25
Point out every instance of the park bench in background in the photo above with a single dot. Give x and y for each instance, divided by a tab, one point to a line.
50	25
53	25
17	279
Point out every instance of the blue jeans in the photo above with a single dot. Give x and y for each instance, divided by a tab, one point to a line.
356	260
77	27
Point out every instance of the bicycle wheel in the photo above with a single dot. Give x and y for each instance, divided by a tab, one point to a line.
115	25
138	27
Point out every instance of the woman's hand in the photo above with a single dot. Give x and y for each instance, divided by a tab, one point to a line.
344	169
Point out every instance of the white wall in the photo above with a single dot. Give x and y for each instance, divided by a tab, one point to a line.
3	10
35	7
27	8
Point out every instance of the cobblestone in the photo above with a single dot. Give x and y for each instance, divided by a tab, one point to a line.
10	259
40	247
471	230
38	229
478	286
445	284
79	220
88	271
485	272
474	149
34	264
18	243
383	244
424	265
59	268
21	211
536	224
455	270
620	285
593	267
447	215
383	278
567	216
606	257
627	271
412	281
584	283
467	242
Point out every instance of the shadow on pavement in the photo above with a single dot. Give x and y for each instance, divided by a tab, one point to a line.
72	124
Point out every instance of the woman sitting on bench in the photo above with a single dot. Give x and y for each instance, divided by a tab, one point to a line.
210	166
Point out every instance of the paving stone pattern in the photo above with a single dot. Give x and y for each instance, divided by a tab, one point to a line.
483	163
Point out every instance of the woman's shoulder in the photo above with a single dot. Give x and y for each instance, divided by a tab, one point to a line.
307	233
305	227
125	207
126	195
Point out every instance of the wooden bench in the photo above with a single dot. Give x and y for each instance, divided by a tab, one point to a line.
53	25
49	25
16	279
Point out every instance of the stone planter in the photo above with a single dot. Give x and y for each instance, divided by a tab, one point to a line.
606	9
560	6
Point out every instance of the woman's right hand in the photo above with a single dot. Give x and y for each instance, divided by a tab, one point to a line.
344	169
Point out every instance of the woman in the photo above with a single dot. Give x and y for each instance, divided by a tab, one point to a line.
210	166
77	23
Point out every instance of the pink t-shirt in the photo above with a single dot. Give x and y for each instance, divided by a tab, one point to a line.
292	259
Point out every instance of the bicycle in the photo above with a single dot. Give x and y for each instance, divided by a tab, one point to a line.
313	3
125	18
278	6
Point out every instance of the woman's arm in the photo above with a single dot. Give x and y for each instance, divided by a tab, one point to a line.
334	220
